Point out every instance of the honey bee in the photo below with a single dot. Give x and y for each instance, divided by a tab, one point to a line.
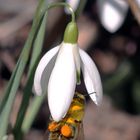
68	127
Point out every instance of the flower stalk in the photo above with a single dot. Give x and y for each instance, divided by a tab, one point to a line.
58	4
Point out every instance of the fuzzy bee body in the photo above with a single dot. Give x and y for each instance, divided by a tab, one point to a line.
67	128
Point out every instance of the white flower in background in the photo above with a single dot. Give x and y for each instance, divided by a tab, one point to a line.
73	3
58	72
112	13
138	2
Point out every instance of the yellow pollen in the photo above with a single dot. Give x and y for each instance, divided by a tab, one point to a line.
52	126
70	120
75	108
66	131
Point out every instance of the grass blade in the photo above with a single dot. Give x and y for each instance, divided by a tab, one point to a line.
28	88
17	74
32	112
7	91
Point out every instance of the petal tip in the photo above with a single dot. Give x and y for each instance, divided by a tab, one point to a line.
91	78
57	118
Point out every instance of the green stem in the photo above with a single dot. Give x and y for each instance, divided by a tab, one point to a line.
80	7
52	5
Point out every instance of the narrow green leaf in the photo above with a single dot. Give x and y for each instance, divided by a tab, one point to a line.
40	11
38	44
17	74
7	91
34	61
32	112
28	120
8	106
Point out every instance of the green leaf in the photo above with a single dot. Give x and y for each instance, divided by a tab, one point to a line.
34	61
7	91
32	112
38	44
8	106
17	74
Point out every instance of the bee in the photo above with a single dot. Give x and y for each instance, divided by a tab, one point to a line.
68	127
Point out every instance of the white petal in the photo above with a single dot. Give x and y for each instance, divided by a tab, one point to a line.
112	13
73	3
43	71
61	87
91	78
77	61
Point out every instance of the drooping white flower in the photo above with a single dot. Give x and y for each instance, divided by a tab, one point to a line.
58	72
112	13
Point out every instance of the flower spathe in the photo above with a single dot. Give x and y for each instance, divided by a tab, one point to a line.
58	72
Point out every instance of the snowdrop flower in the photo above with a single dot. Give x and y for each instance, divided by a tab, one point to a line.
58	72
73	3
138	2
112	13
